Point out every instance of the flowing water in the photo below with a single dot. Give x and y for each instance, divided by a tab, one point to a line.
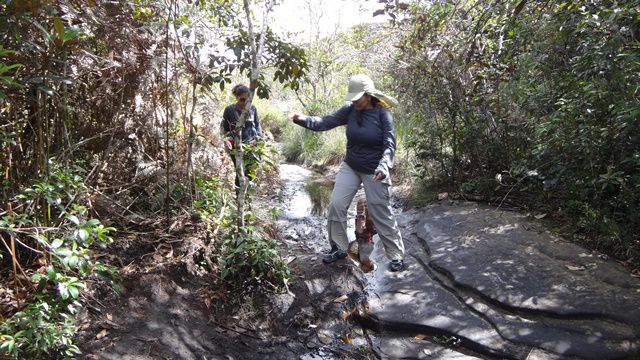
302	216
296	200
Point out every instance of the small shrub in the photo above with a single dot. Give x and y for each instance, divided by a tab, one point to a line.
212	198
249	261
244	260
320	194
45	326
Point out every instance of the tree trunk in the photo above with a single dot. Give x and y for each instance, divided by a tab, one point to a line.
256	56
190	174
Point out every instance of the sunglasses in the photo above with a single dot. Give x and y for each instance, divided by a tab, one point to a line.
243	99
359	100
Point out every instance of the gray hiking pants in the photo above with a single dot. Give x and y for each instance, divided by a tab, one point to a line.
378	195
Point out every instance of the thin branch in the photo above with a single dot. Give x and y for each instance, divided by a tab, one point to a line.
17	265
28	230
84	141
300	99
27	246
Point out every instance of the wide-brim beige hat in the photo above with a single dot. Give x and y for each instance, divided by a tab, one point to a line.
362	84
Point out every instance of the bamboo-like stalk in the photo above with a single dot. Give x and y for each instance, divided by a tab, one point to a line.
14	259
17	265
167	111
190	172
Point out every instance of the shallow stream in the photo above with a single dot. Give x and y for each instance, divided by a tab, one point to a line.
301	215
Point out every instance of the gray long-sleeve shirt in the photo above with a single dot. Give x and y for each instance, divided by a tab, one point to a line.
371	140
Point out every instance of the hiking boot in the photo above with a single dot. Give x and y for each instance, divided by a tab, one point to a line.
396	265
333	248
334	256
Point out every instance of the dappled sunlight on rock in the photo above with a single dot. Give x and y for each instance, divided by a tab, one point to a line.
525	331
316	286
485	276
439	321
559	347
502	229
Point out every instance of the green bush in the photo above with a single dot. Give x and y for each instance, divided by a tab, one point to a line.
213	200
248	262
242	258
545	94
46	325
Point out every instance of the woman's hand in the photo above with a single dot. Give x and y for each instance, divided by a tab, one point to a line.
379	176
380	173
228	144
296	116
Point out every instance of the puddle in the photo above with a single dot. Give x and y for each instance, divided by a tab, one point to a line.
297	202
303	215
304	193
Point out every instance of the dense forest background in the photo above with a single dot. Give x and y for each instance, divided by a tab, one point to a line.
110	113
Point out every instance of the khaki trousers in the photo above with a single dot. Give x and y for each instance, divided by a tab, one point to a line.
378	201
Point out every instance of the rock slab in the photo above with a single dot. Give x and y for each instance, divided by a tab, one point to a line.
503	286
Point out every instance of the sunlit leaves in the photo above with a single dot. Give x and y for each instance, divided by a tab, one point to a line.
59	27
289	60
518	88
41	327
70	288
65	266
56	243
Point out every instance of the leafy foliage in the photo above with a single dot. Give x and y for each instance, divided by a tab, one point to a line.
43	327
258	157
111	87
212	198
60	263
289	61
541	97
249	262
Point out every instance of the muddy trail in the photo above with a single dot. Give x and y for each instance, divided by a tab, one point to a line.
480	283
167	310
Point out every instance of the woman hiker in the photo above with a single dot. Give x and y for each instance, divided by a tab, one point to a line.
370	151
251	132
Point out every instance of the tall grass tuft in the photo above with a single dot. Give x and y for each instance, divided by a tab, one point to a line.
310	148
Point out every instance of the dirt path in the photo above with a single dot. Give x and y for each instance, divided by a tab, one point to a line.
167	308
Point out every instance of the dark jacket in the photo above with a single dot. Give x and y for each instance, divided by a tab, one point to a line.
371	140
251	130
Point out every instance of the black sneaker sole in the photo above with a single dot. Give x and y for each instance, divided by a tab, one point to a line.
334	258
